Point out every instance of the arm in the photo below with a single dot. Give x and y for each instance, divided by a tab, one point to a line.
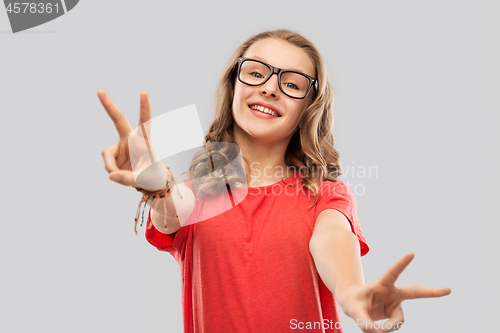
335	251
117	160
184	203
158	219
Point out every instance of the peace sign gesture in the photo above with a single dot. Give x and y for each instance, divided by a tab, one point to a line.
381	299
117	160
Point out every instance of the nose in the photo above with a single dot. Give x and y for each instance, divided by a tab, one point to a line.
270	88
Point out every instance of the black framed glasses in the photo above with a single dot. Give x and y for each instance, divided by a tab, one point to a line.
294	84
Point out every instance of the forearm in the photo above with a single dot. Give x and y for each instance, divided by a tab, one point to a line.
162	205
179	206
337	259
158	220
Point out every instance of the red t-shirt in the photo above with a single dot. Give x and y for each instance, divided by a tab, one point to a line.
249	269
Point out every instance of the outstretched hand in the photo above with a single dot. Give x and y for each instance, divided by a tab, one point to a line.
381	299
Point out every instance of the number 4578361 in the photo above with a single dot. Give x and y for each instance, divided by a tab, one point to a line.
31	7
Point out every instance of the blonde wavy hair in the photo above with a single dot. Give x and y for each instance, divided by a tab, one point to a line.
311	148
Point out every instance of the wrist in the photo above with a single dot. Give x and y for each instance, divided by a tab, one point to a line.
346	295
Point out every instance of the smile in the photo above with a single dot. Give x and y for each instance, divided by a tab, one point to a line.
264	110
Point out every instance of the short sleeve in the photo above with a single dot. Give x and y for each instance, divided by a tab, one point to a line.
338	196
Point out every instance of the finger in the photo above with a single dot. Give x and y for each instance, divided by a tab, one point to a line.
413	292
145	116
366	323
121	123
145	112
392	274
123	177
395	322
108	155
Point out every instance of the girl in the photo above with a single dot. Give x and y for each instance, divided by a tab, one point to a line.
278	260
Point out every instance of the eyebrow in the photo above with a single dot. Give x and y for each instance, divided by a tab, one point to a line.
292	69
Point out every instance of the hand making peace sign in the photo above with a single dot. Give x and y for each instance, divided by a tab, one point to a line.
117	160
381	299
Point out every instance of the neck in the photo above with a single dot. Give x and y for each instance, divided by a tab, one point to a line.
266	159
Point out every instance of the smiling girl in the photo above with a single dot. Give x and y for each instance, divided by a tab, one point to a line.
278	260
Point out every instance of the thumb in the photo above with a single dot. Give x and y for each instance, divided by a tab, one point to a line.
123	177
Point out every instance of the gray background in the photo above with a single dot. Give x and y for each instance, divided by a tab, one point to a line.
416	97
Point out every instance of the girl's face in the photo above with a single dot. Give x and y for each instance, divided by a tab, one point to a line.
261	127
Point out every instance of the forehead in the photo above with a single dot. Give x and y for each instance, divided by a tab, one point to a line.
282	54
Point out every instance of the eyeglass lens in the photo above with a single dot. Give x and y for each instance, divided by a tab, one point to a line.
292	84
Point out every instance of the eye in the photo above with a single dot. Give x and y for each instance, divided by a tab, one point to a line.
291	85
257	75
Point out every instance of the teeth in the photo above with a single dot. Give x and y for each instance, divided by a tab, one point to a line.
264	110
